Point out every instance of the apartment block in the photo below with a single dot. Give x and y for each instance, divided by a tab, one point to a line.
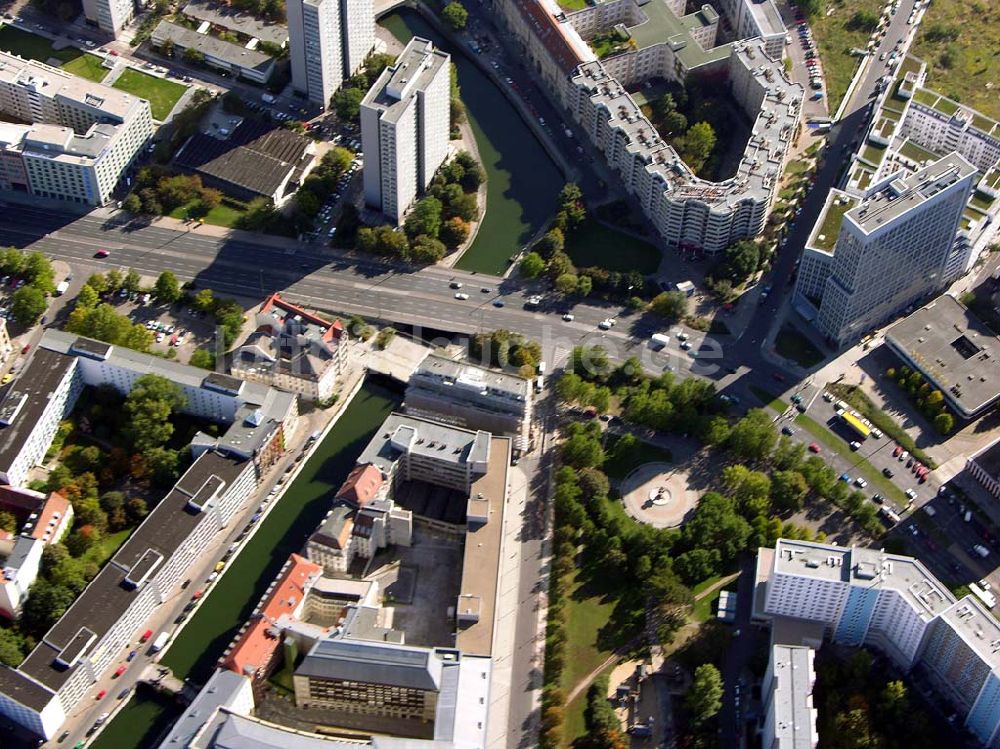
84	138
328	41
891	602
787	692
472	397
405	128
892	248
110	16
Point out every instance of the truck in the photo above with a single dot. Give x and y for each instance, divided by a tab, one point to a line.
659	340
267	98
989	600
62	288
159	642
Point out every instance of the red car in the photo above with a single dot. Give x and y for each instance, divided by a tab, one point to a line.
897	451
101	253
813	448
917	467
101	694
119	671
26	348
146	635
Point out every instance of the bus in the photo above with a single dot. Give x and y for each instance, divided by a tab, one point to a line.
856	424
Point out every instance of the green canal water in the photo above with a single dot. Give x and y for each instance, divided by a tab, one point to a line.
522	181
196	650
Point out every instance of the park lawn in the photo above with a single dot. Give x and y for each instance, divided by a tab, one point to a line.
962	59
87	66
835	41
162	94
594	244
588	610
862	467
103	550
791	344
221	215
770	400
702	611
574	720
33	46
621	466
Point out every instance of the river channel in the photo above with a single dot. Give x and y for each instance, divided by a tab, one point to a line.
522	181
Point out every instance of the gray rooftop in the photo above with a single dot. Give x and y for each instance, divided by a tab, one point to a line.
463	376
401	434
413	71
870	568
977	627
222	690
232	54
794	713
905	193
373	663
244	23
955	350
24	689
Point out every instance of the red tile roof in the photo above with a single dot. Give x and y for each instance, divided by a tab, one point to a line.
548	30
362	485
256	647
333	329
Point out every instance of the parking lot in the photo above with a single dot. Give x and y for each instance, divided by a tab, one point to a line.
178	328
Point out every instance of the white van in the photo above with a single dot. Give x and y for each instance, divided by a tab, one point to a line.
981	550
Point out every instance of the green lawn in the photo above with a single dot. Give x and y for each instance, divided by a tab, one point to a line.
596	244
835	41
221	215
861	467
33	47
958	41
87	66
769	399
793	345
102	551
620	466
162	94
574	716
572	4
702	611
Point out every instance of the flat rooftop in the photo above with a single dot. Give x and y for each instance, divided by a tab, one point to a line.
869	568
463	376
794	713
481	558
413	71
401	433
954	349
232	54
978	627
827	229
906	193
663	27
244	23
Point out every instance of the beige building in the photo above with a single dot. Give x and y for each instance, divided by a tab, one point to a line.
84	138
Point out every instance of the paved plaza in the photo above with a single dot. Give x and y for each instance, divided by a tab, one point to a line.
658	494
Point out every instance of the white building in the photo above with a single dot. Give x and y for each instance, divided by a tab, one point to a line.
891	602
84	138
893	247
328	41
787	692
405	126
109	15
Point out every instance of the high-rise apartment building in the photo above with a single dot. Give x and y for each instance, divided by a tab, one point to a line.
893	247
328	41
405	124
891	602
787	693
85	137
109	15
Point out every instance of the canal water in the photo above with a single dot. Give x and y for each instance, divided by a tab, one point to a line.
522	181
196	650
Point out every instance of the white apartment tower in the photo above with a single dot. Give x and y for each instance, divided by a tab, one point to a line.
893	249
328	41
109	15
405	124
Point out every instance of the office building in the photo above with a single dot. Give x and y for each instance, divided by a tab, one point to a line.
954	351
328	41
292	349
787	693
84	136
892	247
110	16
405	127
471	396
892	603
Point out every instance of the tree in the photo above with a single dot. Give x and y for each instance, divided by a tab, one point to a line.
454	232
670	305
788	490
27	305
204	300
44	606
163	465
8	522
347	103
202	358
149	406
472	177
583	451
455	15
167	288
38	272
584	285
552	241
704	698
697	144
425	218
426	249
697	565
742	259
12	647
194	56
132	203
566	283
532	265
750	489
753	437
132	282
136	510
944	422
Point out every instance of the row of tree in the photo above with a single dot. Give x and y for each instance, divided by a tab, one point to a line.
928	399
29	302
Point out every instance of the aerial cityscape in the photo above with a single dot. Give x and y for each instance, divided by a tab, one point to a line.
488	374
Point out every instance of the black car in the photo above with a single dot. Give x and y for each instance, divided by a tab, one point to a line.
63	736
787	430
887	472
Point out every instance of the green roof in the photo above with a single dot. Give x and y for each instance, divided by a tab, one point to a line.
885	127
863	176
664	26
825	236
910	64
925	97
916	152
873	154
992	179
981	201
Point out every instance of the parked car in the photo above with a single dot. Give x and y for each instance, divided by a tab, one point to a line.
814	448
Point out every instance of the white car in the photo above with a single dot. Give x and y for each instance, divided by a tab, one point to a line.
462	296
911	494
860	482
855	445
568	317
605	324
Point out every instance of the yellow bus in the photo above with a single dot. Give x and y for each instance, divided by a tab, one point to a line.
856	424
